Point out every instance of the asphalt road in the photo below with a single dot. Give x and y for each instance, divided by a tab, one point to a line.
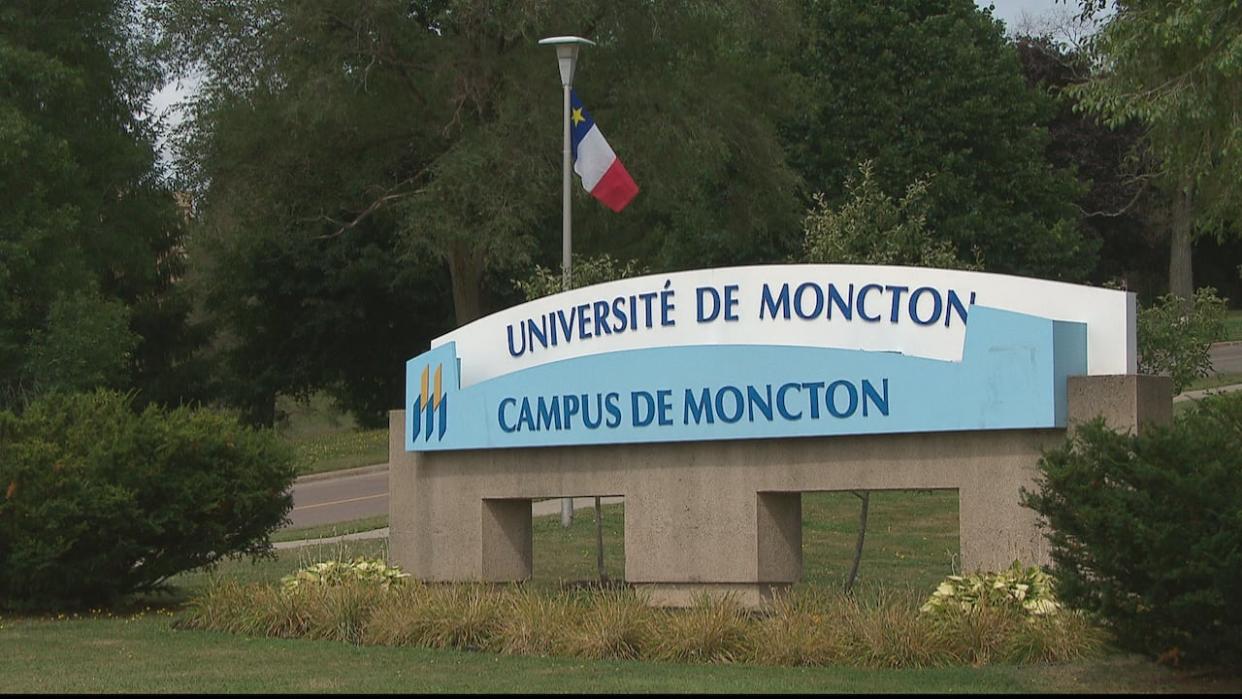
339	499
356	496
1227	357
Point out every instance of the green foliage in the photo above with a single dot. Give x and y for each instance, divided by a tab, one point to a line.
365	174
586	271
873	228
1119	206
440	122
1025	590
933	89
299	312
1175	336
360	570
87	344
1174	68
82	211
1146	530
100	501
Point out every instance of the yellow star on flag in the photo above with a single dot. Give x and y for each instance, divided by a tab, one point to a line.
577	117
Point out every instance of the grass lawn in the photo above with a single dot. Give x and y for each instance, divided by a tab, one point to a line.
323	531
141	653
325	439
1233	326
910	542
1214	381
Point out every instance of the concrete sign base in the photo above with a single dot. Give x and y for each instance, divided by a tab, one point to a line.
725	517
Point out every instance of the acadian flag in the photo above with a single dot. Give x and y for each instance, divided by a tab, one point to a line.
601	170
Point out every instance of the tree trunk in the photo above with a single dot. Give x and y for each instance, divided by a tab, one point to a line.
1181	277
865	496
466	272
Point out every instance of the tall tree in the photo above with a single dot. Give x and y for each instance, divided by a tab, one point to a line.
87	230
432	127
1174	68
931	89
1120	204
447	114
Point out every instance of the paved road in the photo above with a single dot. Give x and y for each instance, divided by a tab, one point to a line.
1227	357
339	499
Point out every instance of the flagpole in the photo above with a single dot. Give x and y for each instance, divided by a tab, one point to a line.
567	58
567	221
567	247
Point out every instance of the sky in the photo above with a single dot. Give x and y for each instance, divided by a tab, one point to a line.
1012	12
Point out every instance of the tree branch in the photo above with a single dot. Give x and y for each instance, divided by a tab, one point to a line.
391	194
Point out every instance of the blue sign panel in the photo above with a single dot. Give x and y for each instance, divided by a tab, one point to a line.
1012	376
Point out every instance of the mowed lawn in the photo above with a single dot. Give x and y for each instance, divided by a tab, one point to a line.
910	545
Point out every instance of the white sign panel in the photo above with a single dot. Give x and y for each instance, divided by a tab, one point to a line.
914	311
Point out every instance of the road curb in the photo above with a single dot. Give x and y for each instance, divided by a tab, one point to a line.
345	473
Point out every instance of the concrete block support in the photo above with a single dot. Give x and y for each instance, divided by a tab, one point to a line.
725	517
506	541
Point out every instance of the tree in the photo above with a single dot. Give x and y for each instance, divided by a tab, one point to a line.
84	220
1119	205
301	313
1175	68
873	228
432	129
446	114
934	90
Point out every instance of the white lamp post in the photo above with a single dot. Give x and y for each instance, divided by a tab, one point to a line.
567	57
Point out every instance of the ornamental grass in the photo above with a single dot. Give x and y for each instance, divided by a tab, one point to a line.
873	629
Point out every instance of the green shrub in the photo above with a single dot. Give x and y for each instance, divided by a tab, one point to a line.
1026	590
98	501
1174	336
1147	530
873	228
586	271
333	573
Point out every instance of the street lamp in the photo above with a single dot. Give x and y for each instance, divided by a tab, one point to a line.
567	57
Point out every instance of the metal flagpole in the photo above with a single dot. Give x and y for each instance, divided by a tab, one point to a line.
567	247
567	58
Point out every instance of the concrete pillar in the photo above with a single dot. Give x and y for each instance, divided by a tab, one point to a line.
506	541
779	537
1129	402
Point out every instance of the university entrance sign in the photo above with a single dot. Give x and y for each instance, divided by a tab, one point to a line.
775	351
766	381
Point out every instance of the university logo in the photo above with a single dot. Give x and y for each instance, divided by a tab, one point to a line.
429	412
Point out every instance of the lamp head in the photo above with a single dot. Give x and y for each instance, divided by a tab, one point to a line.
566	54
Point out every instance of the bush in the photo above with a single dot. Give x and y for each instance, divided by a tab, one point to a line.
1175	336
1025	590
1147	530
586	271
873	228
99	501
